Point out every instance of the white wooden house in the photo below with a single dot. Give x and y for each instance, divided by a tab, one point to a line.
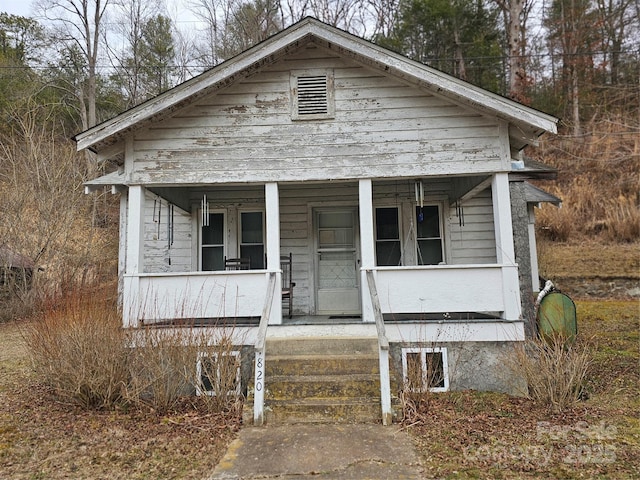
390	184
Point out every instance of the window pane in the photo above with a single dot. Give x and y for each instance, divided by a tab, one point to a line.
435	370
429	252
212	258
335	220
388	253
429	227
251	227
255	253
387	224
214	233
414	372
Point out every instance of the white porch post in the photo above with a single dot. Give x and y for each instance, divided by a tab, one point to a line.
272	201
134	256
505	251
367	245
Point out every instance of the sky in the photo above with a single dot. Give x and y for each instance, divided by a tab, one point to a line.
16	7
25	8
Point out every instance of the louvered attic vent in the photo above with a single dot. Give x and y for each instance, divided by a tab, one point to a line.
312	95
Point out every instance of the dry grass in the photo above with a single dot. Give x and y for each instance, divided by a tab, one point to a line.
43	438
598	180
494	436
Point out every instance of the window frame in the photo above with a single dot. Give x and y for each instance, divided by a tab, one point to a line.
225	240
375	232
264	233
441	230
424	351
200	391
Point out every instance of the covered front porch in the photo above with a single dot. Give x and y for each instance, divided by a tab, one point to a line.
433	249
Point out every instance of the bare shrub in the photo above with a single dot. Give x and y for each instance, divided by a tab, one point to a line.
158	365
555	370
77	348
168	364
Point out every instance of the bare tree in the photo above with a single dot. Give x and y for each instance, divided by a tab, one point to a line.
79	26
516	14
128	24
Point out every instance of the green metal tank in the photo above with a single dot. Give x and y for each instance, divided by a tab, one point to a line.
557	317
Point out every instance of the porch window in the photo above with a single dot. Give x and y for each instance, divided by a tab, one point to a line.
252	238
212	241
387	236
425	369
429	235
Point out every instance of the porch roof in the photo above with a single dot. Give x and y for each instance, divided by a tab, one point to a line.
526	124
534	194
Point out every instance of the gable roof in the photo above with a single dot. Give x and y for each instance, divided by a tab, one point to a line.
526	124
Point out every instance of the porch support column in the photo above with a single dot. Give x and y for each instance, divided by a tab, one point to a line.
367	246
505	252
272	201
134	257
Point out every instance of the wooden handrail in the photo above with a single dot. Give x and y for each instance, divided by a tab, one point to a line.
383	352
259	376
266	312
383	342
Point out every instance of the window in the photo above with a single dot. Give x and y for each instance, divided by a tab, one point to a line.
428	235
212	241
252	238
218	372
312	94
387	236
425	369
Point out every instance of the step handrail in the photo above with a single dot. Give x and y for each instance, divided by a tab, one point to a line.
383	342
383	351
258	382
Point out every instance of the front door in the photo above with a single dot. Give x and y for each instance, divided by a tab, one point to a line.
336	266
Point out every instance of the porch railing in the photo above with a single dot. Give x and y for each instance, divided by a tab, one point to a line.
449	288
157	297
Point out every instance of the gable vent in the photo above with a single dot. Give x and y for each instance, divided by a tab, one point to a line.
312	95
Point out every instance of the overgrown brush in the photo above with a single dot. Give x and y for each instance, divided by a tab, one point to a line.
554	368
168	364
77	348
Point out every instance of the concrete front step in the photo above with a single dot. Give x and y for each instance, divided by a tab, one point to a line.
320	379
322	386
321	346
322	365
336	410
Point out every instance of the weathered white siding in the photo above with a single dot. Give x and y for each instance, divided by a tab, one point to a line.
382	128
159	256
475	241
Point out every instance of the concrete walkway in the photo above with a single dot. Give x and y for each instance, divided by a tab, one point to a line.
320	451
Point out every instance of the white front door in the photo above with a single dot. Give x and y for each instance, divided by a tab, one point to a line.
337	261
